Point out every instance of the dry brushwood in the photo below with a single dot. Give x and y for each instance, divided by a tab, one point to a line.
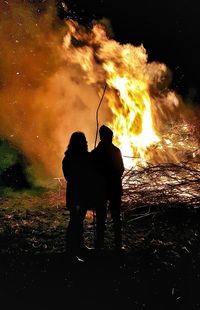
169	184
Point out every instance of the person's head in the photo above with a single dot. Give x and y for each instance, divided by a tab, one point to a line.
78	142
105	134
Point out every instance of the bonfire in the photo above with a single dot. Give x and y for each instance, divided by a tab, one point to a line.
159	144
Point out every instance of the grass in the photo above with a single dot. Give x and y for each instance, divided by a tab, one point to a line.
159	270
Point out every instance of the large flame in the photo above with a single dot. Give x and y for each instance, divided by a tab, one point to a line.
52	76
134	85
132	122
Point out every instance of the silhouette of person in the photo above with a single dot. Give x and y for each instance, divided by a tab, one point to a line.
109	163
75	167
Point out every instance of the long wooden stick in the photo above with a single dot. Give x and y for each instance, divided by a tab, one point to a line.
97	114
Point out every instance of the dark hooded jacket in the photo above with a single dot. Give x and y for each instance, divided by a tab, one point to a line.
85	186
108	160
75	169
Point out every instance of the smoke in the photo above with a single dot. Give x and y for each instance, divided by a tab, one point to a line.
52	73
43	98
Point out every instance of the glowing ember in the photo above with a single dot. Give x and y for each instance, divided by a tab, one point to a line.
90	215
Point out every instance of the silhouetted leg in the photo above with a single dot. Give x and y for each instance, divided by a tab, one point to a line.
115	205
74	237
100	225
80	230
70	236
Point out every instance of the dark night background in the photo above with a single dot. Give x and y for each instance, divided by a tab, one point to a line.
161	268
169	31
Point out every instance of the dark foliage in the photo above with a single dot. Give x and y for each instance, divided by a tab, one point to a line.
12	167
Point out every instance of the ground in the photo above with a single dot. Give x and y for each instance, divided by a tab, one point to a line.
159	270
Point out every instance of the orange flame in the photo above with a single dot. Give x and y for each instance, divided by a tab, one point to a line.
131	80
132	124
51	75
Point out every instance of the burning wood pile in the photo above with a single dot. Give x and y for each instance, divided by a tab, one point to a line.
149	120
170	184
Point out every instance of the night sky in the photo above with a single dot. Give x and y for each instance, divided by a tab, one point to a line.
169	31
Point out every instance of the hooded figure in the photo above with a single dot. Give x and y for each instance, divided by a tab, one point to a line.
75	167
108	161
85	189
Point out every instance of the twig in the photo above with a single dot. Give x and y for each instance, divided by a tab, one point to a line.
97	114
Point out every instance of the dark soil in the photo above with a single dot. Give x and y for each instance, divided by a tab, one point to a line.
159	270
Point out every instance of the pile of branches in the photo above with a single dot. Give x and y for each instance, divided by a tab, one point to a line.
169	184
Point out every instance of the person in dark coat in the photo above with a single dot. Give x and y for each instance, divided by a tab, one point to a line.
76	167
109	163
